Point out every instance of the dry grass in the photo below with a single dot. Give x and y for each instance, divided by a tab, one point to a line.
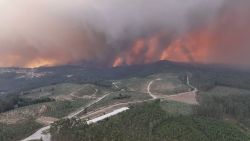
187	97
46	120
22	114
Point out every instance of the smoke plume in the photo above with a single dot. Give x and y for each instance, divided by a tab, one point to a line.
123	32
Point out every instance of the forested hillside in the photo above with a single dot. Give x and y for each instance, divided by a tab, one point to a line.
148	122
223	113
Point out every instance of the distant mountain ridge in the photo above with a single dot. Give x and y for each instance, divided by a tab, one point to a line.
21	79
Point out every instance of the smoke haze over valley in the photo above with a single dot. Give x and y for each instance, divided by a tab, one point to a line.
123	32
99	70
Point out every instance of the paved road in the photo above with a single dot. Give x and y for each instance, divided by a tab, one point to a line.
100	118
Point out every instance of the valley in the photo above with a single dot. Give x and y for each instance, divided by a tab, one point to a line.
91	116
124	70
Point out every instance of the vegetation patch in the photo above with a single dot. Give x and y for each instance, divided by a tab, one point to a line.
176	108
11	102
169	83
61	109
120	97
147	122
53	90
18	131
222	101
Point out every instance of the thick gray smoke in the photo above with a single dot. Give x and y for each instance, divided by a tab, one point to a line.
55	32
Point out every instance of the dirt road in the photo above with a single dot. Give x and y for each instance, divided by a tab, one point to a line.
83	108
110	108
186	97
46	137
149	87
39	135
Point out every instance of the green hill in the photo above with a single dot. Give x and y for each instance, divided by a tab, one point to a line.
148	122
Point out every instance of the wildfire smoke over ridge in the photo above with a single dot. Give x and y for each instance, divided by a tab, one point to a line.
119	32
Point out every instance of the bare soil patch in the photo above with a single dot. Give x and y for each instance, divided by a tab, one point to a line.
187	97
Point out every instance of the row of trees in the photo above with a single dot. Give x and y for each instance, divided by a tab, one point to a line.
206	79
235	105
12	101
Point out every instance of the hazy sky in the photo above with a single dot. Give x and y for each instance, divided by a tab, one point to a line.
55	32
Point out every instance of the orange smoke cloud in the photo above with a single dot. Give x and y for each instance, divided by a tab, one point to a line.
225	39
193	47
142	51
150	49
41	62
45	33
174	52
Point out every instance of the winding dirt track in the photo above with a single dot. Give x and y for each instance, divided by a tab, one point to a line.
83	108
149	87
186	97
46	137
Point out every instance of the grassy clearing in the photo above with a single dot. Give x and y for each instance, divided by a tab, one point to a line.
61	109
22	114
86	90
91	90
66	91
52	91
134	84
58	109
169	84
